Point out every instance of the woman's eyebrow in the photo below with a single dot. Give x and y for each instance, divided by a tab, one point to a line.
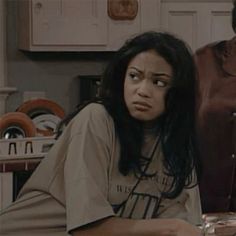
135	68
162	74
157	74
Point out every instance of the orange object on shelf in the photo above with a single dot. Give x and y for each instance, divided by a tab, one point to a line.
122	9
41	106
16	124
44	113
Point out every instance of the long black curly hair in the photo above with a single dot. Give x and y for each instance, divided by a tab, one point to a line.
177	129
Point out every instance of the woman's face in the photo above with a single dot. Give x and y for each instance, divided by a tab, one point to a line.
147	80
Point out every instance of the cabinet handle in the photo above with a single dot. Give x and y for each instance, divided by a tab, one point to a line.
38	5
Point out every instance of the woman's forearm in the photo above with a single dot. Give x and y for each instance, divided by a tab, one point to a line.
115	226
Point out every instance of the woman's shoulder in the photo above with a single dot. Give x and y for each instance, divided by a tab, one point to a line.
95	107
93	115
94	110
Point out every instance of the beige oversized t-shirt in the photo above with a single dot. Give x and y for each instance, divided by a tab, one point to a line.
78	183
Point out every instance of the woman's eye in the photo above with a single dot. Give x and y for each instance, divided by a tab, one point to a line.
160	83
133	76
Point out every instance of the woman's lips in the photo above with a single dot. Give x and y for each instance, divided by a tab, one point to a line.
143	106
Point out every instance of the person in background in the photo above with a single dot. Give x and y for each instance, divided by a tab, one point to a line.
126	162
216	123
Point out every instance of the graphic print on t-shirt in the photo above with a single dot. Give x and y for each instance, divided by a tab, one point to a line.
143	200
139	196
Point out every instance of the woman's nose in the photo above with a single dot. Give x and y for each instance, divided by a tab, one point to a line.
143	89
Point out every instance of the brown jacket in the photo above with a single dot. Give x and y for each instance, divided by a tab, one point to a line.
216	125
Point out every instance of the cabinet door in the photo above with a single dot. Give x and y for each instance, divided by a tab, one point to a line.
79	25
198	23
69	22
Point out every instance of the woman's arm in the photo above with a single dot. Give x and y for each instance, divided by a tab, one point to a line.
115	226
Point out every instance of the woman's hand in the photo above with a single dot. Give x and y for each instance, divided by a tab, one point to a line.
183	228
115	226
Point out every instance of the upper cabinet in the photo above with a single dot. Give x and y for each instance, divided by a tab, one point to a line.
83	25
104	25
68	22
198	22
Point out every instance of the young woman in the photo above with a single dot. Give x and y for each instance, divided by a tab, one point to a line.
126	162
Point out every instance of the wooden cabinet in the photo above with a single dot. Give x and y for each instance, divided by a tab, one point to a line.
198	22
85	25
62	23
79	25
